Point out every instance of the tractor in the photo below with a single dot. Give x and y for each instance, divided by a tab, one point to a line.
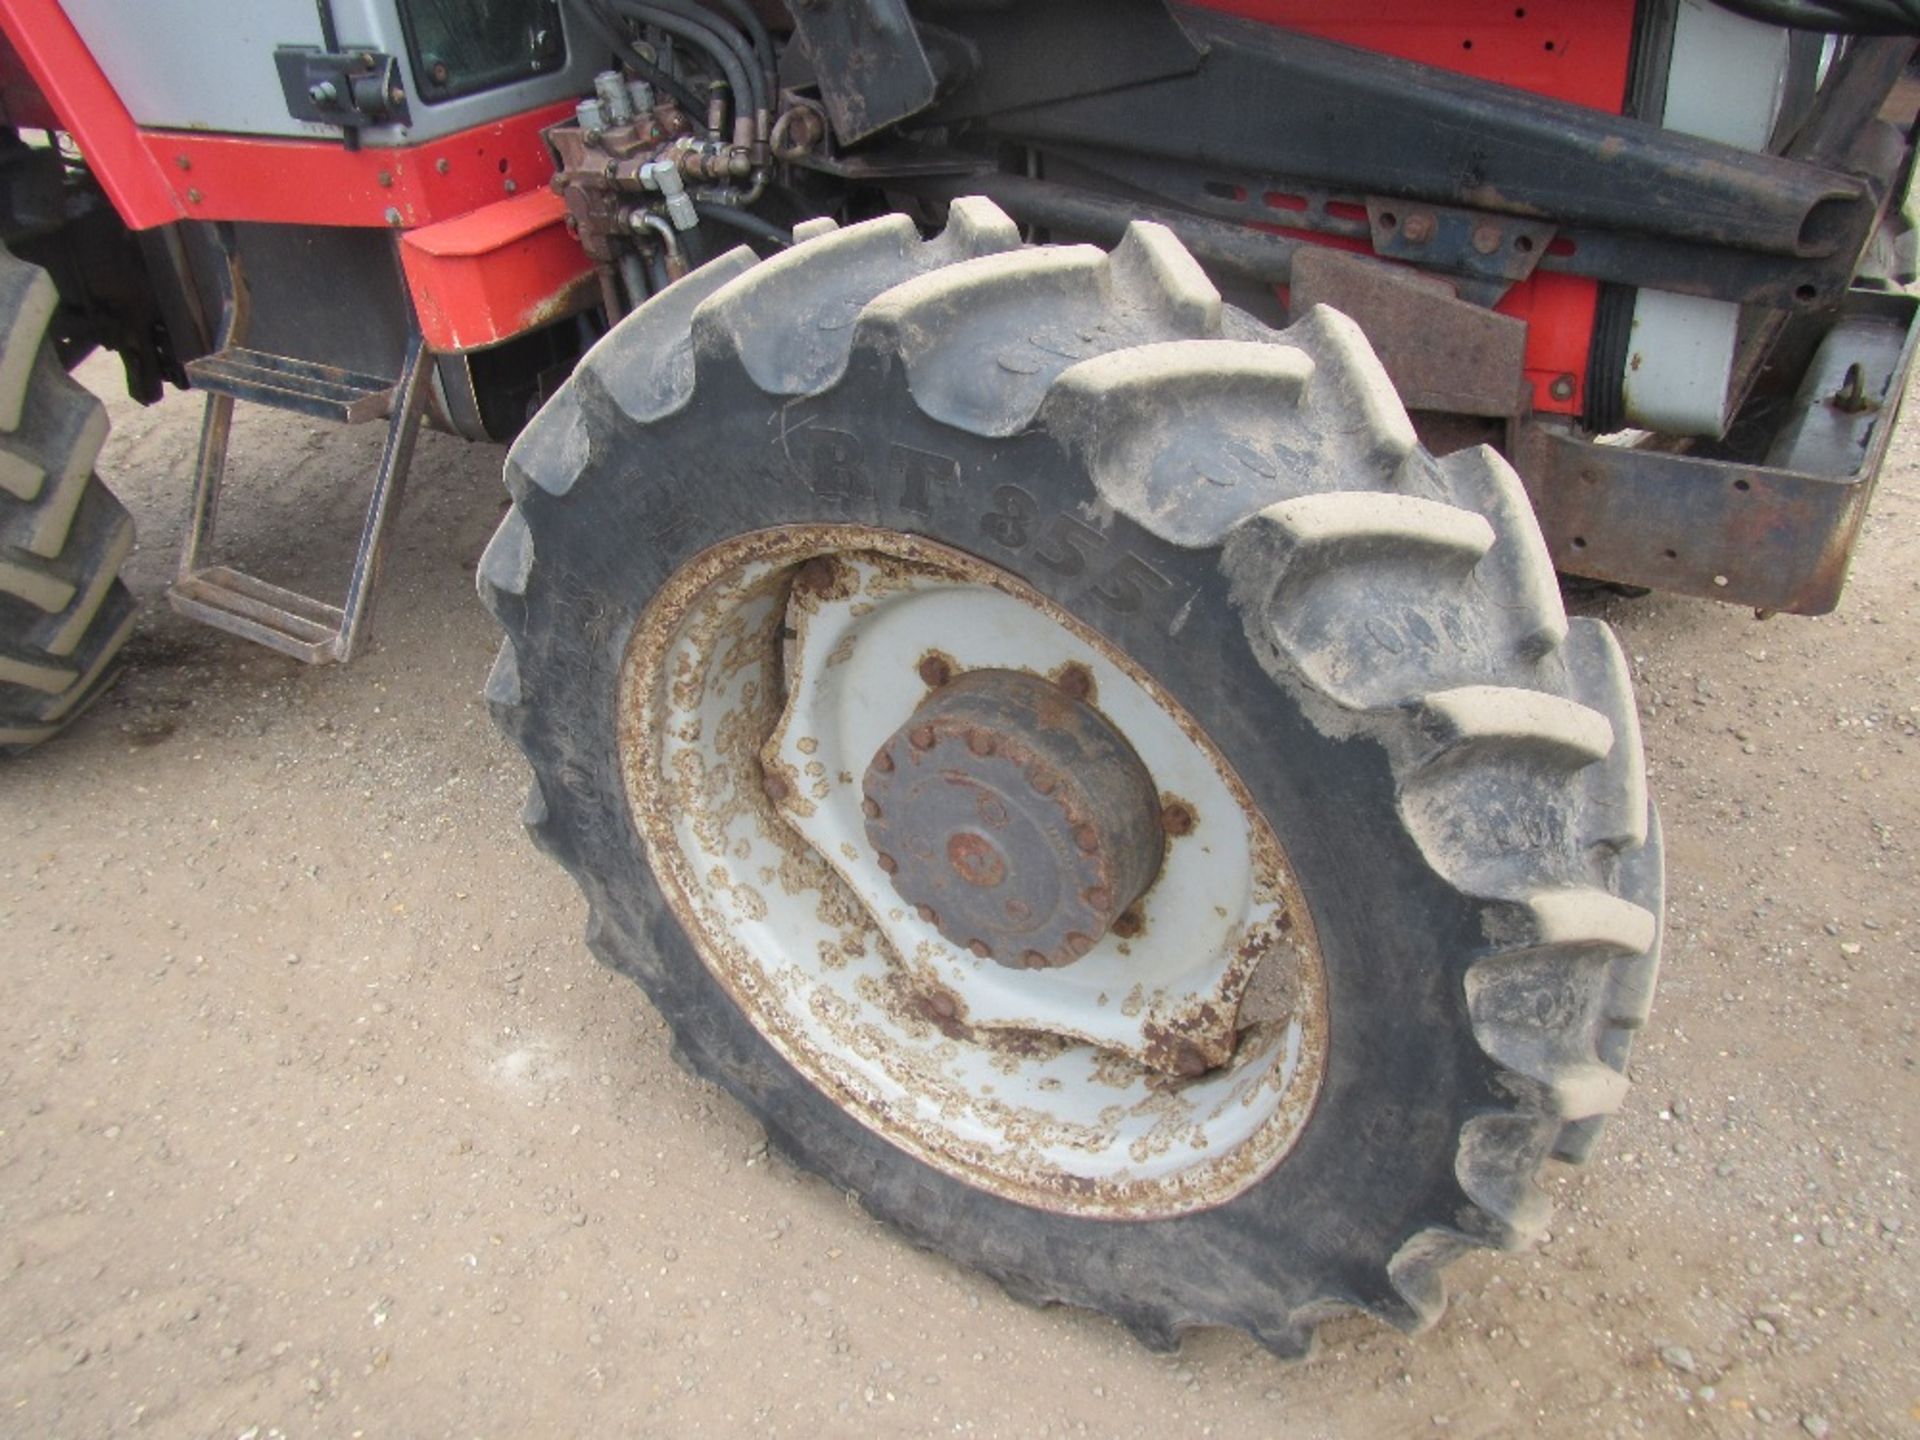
1032	594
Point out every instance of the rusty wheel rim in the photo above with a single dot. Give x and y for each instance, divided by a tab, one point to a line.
774	700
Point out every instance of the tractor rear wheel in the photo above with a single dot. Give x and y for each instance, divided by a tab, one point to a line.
64	613
1067	761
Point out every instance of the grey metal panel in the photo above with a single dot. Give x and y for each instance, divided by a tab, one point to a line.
199	64
208	65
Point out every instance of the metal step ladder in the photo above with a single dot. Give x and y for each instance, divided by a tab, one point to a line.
232	600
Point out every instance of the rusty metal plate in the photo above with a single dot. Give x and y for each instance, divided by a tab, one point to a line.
1752	534
1443	353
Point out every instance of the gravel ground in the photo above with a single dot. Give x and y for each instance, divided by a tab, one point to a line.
316	1118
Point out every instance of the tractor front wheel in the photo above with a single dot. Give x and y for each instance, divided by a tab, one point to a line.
1063	757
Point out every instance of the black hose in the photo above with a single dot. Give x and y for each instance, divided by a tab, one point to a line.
749	20
624	51
744	220
741	79
1842	17
743	47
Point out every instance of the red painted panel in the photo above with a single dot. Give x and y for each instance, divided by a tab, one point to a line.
1574	50
321	182
498	272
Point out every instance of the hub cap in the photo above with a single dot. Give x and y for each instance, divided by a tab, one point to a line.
1014	818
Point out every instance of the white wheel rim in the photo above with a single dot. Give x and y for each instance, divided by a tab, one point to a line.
1033	1084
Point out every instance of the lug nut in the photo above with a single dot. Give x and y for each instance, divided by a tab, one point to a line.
1078	944
1034	960
921	737
1176	819
1098	898
883	762
815	574
1128	924
888	865
927	913
935	671
1076	680
981	948
870	808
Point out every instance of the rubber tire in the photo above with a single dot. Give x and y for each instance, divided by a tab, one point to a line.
64	612
1373	637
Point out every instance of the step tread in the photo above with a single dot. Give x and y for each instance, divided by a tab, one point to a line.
286	383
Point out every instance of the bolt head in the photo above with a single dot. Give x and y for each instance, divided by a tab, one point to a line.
1086	837
1486	238
888	865
921	737
1562	388
982	742
1418	227
441	166
941	1003
775	785
183	162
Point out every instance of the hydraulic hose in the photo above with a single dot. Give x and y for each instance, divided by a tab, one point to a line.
749	20
744	220
654	75
741	79
743	47
1844	17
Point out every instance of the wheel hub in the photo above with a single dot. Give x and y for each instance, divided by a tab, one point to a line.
1014	818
